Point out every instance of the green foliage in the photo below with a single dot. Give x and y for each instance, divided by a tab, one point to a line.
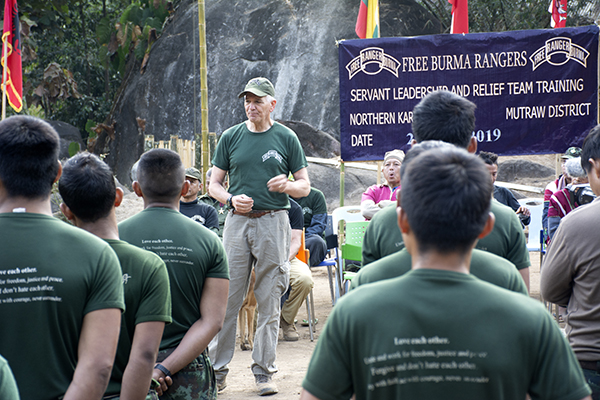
74	148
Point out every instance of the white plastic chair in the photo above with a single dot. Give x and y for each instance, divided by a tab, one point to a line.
347	213
535	206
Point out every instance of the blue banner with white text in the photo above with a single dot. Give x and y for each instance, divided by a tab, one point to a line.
536	91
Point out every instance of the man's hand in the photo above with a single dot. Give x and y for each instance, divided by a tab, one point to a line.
242	203
278	184
164	381
523	210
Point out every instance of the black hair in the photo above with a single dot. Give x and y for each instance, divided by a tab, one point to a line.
29	149
489	158
160	174
87	187
446	196
445	116
591	148
418	149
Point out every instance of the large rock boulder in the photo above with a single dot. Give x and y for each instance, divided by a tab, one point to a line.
292	42
68	134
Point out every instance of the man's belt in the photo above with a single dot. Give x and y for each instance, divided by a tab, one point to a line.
593	365
256	213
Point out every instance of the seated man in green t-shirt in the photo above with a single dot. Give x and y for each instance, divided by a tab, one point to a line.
438	331
88	189
61	288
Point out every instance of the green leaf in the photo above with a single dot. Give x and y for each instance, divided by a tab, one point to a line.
74	148
88	128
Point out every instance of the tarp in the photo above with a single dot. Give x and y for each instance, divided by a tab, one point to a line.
536	91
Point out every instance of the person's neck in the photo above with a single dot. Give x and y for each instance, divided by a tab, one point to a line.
21	204
150	203
259	127
104	228
456	262
189	199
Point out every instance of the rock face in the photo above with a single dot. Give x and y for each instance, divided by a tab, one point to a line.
292	42
510	170
68	134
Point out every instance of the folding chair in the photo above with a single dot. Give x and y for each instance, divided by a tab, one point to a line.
304	256
351	239
332	256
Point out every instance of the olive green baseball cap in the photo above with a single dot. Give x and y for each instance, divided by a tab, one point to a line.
193	173
261	87
572	152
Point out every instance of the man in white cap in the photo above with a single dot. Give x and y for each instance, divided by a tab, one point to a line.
377	197
258	154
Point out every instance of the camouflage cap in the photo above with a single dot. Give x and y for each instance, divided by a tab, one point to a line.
572	152
260	87
193	173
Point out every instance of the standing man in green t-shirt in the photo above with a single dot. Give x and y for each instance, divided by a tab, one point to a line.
198	275
258	154
61	290
439	332
90	196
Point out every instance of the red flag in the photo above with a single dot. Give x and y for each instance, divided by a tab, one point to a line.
367	23
558	9
11	36
460	16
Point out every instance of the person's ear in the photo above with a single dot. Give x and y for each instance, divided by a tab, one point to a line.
403	221
472	147
58	175
67	211
413	142
118	197
489	226
185	187
595	166
137	189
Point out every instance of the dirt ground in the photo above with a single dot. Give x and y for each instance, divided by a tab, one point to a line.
293	357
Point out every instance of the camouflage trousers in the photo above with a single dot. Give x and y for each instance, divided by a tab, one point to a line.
195	381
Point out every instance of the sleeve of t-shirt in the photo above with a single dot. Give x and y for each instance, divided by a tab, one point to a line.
212	219
556	279
518	253
297	159
107	285
221	155
557	374
219	267
155	303
370	249
329	371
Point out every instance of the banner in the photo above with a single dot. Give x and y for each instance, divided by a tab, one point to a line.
11	35
536	91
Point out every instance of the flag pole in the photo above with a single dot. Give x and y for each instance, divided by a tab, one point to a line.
203	88
5	63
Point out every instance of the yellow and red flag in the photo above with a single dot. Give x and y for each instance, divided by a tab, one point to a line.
460	16
558	9
11	40
367	23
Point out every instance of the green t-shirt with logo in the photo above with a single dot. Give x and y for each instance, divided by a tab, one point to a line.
433	334
486	266
191	252
51	275
222	210
254	158
313	204
147	298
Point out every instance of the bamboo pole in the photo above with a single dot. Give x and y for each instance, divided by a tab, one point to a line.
342	183
203	88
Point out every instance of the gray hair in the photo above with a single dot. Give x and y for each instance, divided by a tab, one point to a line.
574	168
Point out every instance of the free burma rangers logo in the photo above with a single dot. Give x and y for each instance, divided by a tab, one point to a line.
372	61
558	51
272	153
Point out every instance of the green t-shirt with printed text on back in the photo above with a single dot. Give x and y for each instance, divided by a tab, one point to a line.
506	240
51	275
254	158
147	299
484	265
191	252
433	334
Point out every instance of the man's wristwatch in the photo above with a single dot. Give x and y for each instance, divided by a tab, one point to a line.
229	202
162	369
